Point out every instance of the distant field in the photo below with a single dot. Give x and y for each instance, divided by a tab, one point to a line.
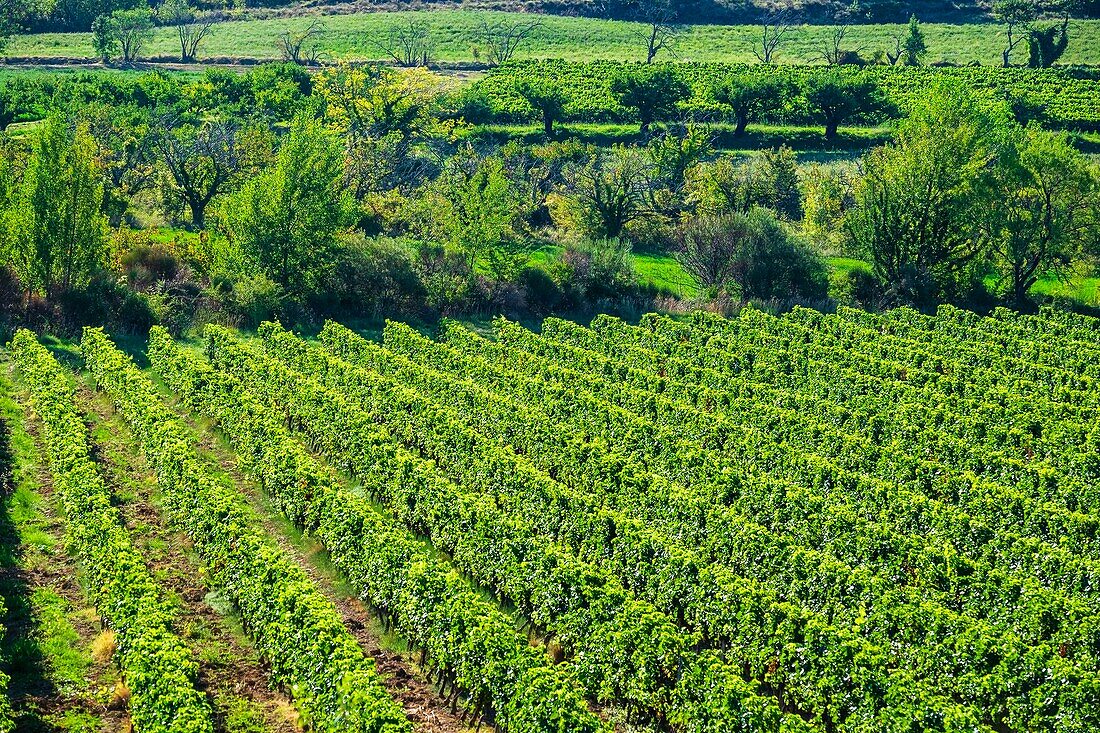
454	32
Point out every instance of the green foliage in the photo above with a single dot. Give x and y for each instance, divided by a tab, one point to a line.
1071	95
838	98
729	184
55	231
123	31
155	663
470	641
1041	213
294	626
285	220
751	96
474	208
915	47
653	92
751	256
546	99
921	198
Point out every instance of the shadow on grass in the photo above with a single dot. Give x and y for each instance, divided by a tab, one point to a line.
25	663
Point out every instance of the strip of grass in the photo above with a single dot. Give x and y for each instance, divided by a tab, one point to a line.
456	40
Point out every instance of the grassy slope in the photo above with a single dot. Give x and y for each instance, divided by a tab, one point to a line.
351	36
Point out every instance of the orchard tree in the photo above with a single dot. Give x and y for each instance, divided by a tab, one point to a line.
191	28
58	230
1043	211
1017	17
546	98
751	96
124	32
652	92
838	97
286	219
201	162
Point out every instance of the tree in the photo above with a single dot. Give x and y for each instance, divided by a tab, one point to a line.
750	96
302	48
285	220
774	29
474	207
727	184
1017	16
839	97
13	13
385	117
660	30
105	39
919	203
57	227
652	92
190	28
752	252
915	47
1047	45
129	29
201	162
607	192
502	38
546	98
408	44
832	50
1042	213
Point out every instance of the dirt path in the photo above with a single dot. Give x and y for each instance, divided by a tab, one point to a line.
231	672
406	681
61	670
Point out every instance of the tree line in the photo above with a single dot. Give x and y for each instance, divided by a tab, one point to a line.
362	189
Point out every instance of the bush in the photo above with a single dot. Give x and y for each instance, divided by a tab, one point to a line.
372	276
541	292
751	255
255	299
599	268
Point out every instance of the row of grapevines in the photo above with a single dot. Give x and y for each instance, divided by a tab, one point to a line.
625	652
952	348
1055	651
795	347
294	626
1020	340
7	721
897	430
1069	95
475	643
894	602
697	582
815	579
1005	508
946	537
156	664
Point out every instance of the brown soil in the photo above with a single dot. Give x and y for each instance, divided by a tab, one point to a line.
405	681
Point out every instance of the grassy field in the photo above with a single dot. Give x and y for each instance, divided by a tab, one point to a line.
455	35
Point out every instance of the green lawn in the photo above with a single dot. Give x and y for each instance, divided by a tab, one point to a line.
454	32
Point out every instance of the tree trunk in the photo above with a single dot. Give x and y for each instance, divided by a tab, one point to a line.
548	125
742	123
198	213
830	129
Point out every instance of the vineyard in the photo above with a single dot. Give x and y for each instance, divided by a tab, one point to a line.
1071	96
845	522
